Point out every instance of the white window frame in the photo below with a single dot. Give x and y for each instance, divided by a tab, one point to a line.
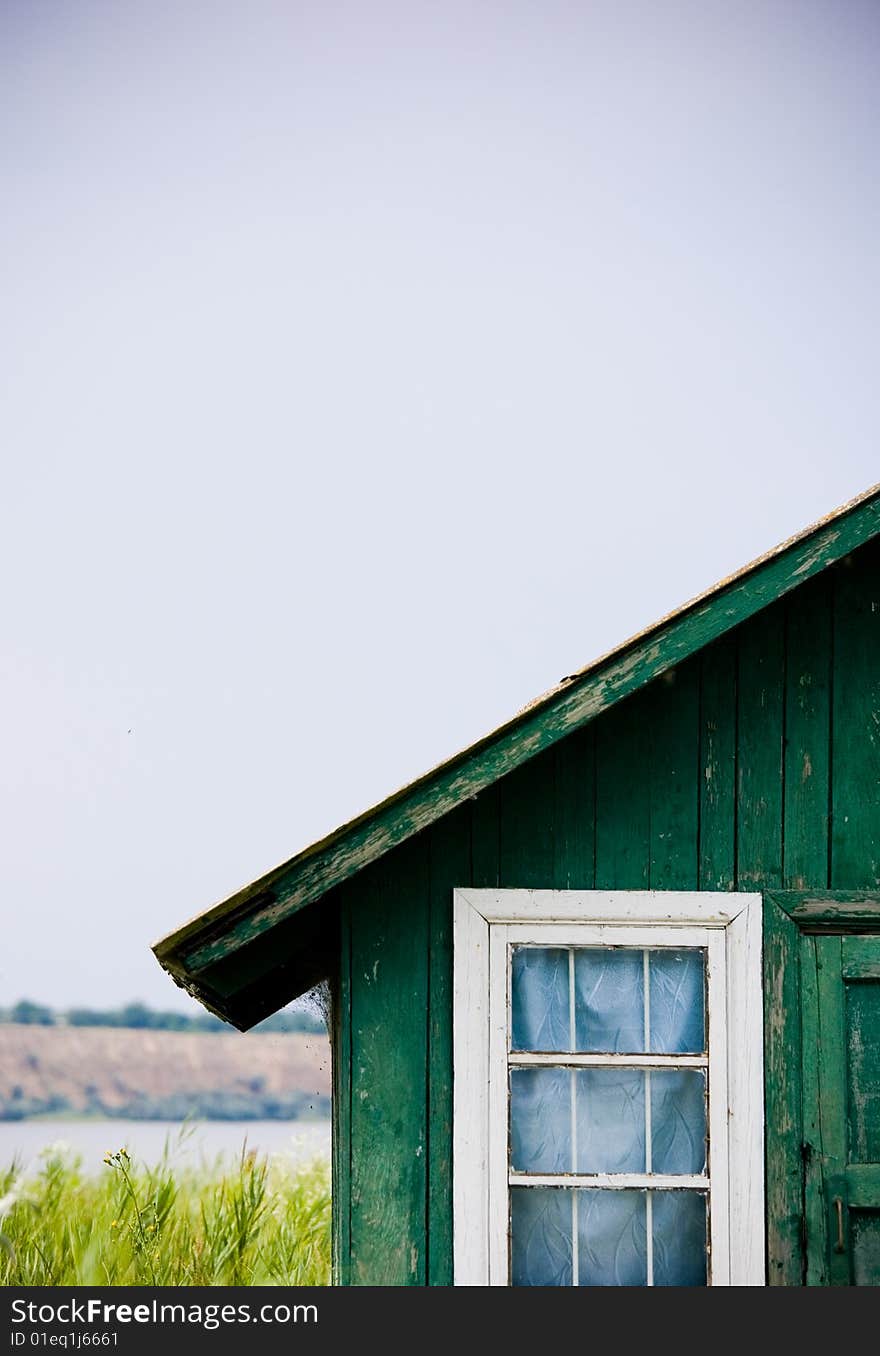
728	925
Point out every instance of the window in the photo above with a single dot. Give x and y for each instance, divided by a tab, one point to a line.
608	1089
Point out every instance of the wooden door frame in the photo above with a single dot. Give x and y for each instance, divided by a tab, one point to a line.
788	915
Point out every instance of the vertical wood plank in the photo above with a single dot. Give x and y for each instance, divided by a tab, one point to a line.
450	863
807	735
815	1223
527	804
341	1107
855	822
623	811
674	802
389	1003
574	865
783	1056
718	765
832	1089
485	831
759	752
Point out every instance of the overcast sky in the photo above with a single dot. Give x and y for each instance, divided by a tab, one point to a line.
367	367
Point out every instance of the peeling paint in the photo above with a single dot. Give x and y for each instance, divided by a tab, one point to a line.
817	555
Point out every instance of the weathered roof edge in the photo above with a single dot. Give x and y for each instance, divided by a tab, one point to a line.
212	936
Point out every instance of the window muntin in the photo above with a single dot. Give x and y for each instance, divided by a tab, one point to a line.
622	1122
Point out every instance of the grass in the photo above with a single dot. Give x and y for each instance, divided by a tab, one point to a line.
255	1221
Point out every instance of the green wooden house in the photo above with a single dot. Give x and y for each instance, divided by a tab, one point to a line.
606	986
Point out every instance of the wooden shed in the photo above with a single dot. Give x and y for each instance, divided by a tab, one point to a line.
606	985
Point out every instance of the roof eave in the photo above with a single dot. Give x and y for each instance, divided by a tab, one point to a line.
196	949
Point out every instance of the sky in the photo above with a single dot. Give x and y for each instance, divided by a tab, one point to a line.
366	368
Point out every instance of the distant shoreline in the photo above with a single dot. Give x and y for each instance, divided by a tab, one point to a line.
141	1017
318	1116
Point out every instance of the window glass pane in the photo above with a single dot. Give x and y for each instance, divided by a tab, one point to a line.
610	1119
610	999
612	1231
677	991
539	999
611	1238
679	1234
610	1014
678	1120
540	1120
540	1236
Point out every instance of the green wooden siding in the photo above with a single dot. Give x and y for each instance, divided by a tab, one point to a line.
717	765
756	765
390	952
807	782
783	1055
855	745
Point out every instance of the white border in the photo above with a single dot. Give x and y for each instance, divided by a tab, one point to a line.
480	1045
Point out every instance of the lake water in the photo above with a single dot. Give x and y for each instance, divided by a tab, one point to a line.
202	1141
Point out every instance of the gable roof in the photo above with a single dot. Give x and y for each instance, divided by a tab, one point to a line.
223	955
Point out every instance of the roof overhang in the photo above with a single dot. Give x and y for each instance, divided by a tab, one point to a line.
249	955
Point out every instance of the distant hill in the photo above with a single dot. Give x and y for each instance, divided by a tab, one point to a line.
140	1017
150	1074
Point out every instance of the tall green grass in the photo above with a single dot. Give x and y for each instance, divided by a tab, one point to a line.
254	1221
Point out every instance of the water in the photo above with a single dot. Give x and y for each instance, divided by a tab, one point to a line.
145	1140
